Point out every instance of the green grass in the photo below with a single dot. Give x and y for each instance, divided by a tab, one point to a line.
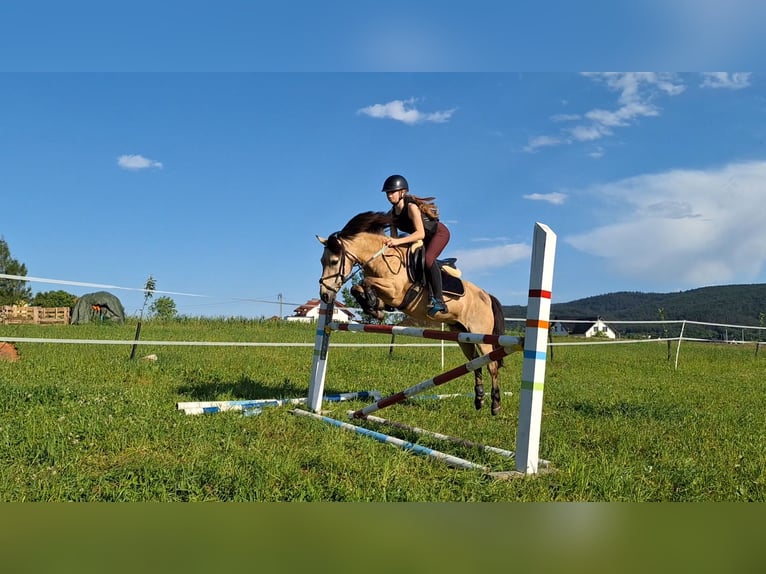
83	423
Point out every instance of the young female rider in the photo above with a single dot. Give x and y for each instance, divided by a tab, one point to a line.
419	218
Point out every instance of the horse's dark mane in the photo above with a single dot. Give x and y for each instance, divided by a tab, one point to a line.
369	222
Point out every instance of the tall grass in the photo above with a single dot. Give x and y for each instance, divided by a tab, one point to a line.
81	422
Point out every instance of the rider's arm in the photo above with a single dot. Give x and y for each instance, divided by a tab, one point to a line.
418	235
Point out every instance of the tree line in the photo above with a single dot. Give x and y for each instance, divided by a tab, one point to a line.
15	292
724	304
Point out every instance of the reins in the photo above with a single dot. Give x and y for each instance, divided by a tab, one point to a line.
357	264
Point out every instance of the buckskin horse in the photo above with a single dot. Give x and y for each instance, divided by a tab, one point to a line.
390	282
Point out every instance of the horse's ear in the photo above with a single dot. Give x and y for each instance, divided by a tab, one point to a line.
322	240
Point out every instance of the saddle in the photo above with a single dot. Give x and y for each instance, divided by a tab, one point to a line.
451	282
414	261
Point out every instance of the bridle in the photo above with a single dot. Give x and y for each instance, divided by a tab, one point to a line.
356	263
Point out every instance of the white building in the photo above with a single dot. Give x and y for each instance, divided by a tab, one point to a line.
593	328
309	313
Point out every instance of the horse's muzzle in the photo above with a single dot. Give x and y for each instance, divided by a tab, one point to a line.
326	295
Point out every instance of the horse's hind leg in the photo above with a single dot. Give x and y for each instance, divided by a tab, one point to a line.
478	389
469	350
493	368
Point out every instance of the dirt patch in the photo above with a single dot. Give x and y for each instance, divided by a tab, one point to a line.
8	352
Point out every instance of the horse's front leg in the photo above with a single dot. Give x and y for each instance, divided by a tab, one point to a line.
367	300
384	291
373	294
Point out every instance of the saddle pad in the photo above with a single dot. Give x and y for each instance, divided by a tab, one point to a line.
452	285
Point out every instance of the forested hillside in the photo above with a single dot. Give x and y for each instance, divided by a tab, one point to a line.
728	304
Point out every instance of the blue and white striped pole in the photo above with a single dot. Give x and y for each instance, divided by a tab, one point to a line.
208	407
416	448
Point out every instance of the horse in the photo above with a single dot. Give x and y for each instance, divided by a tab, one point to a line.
389	284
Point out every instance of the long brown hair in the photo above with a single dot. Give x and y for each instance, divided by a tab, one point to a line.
426	206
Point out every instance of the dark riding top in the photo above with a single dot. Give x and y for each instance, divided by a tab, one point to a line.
402	220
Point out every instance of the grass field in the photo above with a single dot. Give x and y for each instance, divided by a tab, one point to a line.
81	422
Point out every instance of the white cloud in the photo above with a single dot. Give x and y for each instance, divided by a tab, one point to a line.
542	141
565	117
404	111
735	81
636	94
136	162
692	228
589	133
555	198
597	153
492	257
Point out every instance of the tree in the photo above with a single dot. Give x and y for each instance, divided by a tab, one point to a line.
347	298
53	299
163	308
149	288
12	291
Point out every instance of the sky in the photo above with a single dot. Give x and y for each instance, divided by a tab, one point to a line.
209	156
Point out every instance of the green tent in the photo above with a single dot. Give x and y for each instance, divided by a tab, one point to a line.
99	306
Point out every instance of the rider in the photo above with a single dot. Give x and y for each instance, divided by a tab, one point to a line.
419	218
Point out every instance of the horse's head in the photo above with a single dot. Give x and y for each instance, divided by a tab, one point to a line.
335	262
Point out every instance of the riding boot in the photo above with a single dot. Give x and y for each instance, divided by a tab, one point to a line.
437	298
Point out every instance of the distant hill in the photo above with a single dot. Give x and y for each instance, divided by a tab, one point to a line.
726	304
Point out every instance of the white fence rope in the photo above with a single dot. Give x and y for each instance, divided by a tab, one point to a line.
582	342
680	337
200	343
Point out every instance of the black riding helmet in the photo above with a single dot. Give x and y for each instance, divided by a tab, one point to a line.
394	183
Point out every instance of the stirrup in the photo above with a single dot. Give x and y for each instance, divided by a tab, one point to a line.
436	307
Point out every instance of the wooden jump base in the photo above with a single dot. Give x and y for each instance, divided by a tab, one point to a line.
535	349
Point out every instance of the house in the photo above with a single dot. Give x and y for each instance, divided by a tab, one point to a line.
559	329
309	313
592	328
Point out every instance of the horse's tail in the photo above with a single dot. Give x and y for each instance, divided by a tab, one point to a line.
499	321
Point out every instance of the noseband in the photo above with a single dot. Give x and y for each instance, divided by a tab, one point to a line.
323	281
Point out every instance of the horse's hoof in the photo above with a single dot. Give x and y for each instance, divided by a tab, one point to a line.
495	410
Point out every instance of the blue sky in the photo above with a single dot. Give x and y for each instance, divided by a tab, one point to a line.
131	147
395	36
216	184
